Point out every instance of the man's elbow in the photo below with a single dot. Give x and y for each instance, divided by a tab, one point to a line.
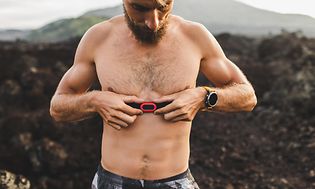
54	114
251	103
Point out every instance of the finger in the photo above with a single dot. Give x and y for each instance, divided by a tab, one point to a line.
103	116
181	118
129	99
112	119
186	117
171	107
167	98
118	122
173	114
115	126
125	117
130	110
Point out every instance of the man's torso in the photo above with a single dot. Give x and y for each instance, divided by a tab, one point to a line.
150	148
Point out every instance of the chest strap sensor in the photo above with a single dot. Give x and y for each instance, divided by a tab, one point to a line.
148	107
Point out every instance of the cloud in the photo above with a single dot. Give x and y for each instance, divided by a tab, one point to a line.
35	13
284	6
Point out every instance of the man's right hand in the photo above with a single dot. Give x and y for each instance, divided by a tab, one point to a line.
113	109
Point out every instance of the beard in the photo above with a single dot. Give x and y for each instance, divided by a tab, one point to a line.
143	33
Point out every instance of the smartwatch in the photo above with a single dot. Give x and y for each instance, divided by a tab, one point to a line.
211	98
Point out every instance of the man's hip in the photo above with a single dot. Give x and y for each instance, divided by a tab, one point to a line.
104	179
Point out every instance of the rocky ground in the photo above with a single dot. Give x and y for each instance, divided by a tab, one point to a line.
272	147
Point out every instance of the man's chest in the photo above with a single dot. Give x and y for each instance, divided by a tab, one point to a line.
164	70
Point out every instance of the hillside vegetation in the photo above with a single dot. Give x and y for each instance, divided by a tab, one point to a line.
64	29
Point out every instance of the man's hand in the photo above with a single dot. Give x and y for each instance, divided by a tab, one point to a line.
185	104
113	109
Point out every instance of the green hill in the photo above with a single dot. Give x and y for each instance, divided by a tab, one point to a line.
232	16
64	29
219	16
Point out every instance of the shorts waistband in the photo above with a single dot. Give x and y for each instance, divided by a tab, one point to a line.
114	176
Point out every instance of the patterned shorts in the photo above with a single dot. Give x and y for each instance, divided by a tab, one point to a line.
104	179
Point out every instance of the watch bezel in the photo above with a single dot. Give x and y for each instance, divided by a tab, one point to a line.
212	99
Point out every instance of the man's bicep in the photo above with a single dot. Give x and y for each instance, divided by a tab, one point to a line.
82	74
215	65
77	79
221	71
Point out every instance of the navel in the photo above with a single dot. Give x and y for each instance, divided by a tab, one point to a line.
145	158
110	89
145	166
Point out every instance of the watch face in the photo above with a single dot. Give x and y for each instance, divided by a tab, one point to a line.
212	99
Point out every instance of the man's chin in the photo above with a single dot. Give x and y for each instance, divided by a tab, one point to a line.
143	34
149	40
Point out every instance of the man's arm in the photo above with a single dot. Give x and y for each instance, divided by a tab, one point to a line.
235	93
72	101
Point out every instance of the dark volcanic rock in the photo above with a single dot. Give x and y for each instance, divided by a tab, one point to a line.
9	180
271	147
47	156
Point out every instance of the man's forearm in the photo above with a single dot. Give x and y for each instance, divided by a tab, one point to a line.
72	107
236	97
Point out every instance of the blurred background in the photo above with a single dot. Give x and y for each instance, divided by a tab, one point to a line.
273	42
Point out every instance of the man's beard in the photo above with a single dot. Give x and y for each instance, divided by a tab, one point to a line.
143	33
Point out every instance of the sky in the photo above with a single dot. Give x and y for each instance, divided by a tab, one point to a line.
31	14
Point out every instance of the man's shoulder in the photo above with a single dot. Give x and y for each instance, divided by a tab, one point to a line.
190	28
104	28
101	31
180	21
198	34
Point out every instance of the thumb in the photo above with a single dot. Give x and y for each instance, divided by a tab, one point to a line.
166	98
129	99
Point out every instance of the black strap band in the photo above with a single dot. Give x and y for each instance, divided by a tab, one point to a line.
158	105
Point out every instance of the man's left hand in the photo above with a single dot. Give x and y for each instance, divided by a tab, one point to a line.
185	104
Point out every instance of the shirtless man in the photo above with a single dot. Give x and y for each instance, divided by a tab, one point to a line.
148	55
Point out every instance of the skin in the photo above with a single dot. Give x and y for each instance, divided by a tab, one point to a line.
146	145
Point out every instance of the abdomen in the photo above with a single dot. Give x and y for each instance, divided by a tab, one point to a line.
151	148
